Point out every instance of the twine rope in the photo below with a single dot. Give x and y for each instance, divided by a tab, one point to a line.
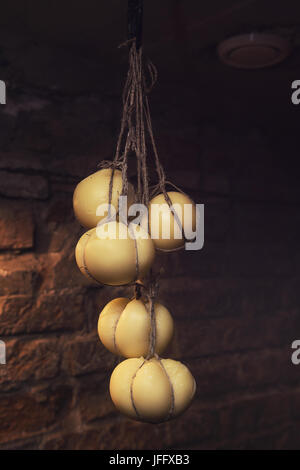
135	120
151	296
135	126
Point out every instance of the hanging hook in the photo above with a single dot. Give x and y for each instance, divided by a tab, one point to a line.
135	21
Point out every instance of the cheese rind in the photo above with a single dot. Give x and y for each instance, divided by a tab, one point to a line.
124	327
108	321
93	191
162	222
153	390
110	256
183	382
120	385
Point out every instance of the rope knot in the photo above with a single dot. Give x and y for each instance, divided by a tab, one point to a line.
113	164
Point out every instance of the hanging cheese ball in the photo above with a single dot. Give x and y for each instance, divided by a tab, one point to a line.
79	250
94	191
111	256
153	390
165	230
124	327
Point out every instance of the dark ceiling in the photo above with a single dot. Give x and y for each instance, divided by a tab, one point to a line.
180	36
101	24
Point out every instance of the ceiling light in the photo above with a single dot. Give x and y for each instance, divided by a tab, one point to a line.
254	50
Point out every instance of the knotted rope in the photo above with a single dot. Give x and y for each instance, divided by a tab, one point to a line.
152	295
135	126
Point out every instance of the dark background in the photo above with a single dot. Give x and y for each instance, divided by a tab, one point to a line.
229	138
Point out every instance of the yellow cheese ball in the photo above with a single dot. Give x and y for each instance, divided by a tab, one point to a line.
124	327
79	250
153	390
111	259
93	191
166	221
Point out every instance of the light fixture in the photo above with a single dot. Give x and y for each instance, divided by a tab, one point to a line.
254	50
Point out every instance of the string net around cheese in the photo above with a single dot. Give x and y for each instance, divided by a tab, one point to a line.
153	390
163	222
115	255
124	327
94	190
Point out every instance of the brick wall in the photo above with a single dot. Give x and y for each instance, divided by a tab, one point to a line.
235	303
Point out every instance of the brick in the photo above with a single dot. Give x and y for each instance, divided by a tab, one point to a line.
259	260
86	354
252	370
193	297
216	182
296	259
94	400
13	310
18	274
173	144
49	312
58	230
59	169
217	218
116	433
195	425
59	271
208	262
273	410
185	178
16	226
265	223
60	186
276	440
255	414
239	333
26	359
261	187
217	150
20	161
121	433
290	293
295	404
23	185
97	298
108	436
262	296
59	211
58	311
71	77
31	133
7	125
23	444
86	143
26	413
291	438
82	161
64	236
